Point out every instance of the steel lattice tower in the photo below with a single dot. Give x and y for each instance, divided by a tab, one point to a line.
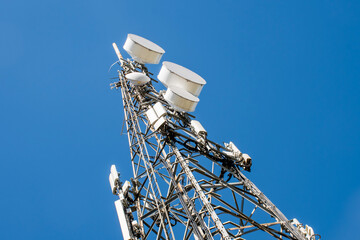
184	185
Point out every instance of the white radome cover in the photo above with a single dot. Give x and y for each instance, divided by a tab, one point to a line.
159	109
137	78
180	99
151	115
143	50
172	74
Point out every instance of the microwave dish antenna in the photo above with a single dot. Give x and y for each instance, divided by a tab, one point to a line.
143	50
172	74
180	99
137	78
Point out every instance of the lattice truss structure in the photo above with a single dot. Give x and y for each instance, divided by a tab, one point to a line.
184	185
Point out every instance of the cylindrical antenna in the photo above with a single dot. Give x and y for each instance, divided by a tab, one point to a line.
118	53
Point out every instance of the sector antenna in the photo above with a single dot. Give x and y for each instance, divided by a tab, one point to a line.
184	185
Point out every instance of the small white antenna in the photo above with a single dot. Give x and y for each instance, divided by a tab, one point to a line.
118	54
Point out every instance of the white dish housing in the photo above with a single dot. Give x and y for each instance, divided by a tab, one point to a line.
143	50
172	74
137	78
180	99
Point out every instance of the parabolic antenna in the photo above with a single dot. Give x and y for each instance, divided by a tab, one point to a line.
172	74
180	99
143	50
137	78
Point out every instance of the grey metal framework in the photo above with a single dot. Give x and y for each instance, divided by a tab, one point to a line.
186	186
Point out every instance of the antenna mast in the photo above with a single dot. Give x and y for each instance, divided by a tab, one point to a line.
184	185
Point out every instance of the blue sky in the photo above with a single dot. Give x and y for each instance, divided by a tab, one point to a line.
283	82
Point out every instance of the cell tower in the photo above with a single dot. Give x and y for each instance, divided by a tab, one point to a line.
184	185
